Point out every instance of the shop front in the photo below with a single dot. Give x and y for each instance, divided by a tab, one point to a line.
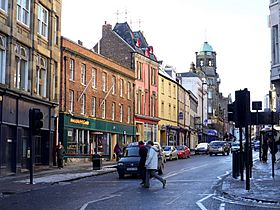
83	137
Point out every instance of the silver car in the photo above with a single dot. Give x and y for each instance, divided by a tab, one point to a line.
170	152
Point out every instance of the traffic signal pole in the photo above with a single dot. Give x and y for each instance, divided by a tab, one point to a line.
30	147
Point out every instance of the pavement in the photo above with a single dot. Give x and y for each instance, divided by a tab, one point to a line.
49	175
263	187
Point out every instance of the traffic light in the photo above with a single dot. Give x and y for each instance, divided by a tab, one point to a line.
35	120
242	105
231	112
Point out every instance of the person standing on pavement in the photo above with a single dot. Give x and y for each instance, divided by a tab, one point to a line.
265	149
143	151
151	165
117	151
60	152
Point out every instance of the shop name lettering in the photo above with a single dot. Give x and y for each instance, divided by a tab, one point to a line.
78	121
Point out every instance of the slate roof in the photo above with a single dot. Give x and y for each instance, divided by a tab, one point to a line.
188	74
130	37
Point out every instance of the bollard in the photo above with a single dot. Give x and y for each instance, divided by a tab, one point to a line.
235	164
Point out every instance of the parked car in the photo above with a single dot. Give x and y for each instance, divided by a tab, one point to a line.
201	148
219	147
256	145
170	152
183	151
129	162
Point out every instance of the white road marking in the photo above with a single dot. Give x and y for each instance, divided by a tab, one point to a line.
199	203
94	201
222	206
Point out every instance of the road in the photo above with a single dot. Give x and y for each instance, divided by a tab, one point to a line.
191	184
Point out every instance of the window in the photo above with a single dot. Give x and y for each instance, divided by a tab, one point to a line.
72	69
93	78
128	90
104	82
121	87
121	113
83	104
275	45
93	106
162	109
169	111
2	59
22	79
129	115
174	112
43	19
201	62
153	105
162	86
71	101
139	102
23	11
210	94
210	109
174	91
56	24
153	76
139	70
113	110
83	74
103	107
41	76
4	5
169	89
55	81
114	85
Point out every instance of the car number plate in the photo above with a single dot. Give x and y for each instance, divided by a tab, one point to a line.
132	169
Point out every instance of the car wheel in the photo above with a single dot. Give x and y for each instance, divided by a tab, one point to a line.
224	154
170	157
121	175
227	153
210	154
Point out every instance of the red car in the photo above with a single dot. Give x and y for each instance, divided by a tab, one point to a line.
183	152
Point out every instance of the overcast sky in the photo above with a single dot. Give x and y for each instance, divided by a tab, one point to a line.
236	29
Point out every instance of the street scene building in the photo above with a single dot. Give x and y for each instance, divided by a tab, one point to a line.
29	78
131	50
96	103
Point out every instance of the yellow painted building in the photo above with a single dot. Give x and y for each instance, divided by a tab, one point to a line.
167	109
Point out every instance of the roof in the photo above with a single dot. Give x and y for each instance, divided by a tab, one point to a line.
188	74
133	39
206	47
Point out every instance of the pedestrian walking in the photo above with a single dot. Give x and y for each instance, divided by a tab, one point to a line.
117	151
265	149
143	151
151	165
60	152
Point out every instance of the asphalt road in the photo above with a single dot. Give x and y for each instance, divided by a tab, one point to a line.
192	183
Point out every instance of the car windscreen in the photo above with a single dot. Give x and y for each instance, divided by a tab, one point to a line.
180	148
131	152
219	144
167	148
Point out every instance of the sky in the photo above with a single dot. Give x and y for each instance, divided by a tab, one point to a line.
237	30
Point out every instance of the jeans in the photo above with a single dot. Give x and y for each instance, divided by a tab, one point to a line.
152	173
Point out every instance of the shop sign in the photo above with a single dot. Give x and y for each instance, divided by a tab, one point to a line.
79	121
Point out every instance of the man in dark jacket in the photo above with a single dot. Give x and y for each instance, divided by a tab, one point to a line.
143	155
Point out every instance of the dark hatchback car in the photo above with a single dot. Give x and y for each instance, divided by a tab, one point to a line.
129	163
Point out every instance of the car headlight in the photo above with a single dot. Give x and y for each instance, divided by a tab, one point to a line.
120	164
220	149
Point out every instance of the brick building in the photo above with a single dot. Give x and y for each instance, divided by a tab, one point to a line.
132	50
96	103
29	78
